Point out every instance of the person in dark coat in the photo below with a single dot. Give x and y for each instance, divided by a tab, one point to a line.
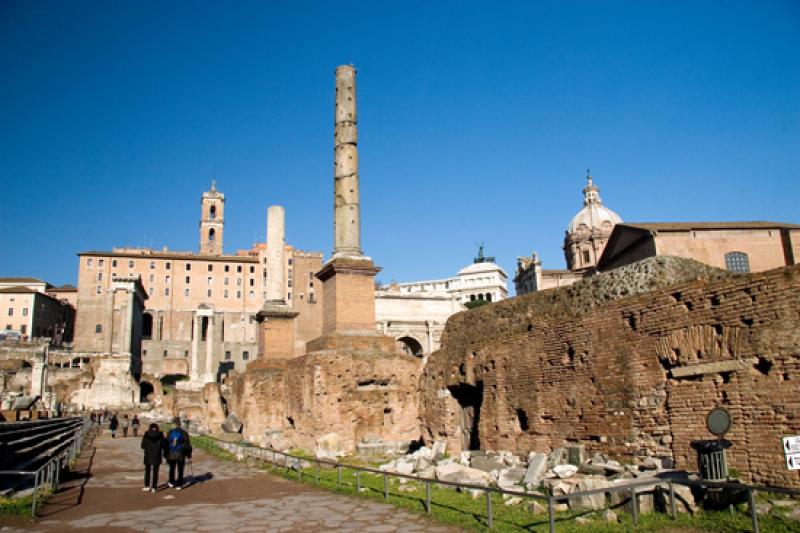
113	425
154	444
179	449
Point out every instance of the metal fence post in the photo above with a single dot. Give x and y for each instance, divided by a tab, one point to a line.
386	487
35	493
672	499
551	513
635	504
753	514
358	481
338	475
489	517
316	472
428	497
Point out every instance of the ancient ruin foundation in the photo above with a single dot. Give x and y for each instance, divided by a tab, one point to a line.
627	363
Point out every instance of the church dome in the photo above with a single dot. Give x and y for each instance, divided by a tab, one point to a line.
594	215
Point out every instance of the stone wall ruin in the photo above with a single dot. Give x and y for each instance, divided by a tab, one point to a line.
627	363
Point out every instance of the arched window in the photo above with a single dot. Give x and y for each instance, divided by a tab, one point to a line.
212	234
737	262
98	328
212	213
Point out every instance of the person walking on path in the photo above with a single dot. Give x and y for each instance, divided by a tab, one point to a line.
135	425
154	444
179	449
125	425
113	425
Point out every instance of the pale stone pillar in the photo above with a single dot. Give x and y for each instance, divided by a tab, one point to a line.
110	321
346	206
38	374
209	376
127	340
276	262
194	370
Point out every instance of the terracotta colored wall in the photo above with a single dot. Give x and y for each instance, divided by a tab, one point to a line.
763	247
570	366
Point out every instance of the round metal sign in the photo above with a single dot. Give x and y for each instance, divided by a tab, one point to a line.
718	421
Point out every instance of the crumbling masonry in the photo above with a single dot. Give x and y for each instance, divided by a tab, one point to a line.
627	363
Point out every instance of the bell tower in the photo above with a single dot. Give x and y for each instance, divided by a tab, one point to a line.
212	221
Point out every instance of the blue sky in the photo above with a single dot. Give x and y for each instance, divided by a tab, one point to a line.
476	121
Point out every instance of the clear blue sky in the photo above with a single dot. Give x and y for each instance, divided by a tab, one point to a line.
476	120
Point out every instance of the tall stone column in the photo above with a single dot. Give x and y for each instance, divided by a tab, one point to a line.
127	340
276	325
348	283
109	340
276	261
346	206
209	374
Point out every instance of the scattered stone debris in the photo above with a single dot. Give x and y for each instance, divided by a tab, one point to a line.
554	473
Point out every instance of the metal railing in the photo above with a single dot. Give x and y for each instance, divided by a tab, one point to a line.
634	488
48	475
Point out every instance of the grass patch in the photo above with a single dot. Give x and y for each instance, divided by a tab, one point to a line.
16	506
209	445
451	507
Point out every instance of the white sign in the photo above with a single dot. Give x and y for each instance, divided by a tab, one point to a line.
791	449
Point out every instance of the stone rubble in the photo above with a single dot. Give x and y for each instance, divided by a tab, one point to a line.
551	473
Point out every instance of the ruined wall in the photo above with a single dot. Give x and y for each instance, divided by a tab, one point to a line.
360	395
628	362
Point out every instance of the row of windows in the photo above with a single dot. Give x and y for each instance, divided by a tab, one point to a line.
11	311
23	329
168	265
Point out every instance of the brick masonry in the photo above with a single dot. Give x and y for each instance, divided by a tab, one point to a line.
593	364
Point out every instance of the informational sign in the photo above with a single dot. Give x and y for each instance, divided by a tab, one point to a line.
791	450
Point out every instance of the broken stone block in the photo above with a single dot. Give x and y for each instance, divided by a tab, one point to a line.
576	454
565	471
651	463
593	502
508	478
403	467
582	520
537	508
429	473
423	452
464	458
763	508
438	450
487	464
556	457
613	467
421	463
592	469
609	516
232	424
537	467
457	473
514	500
330	446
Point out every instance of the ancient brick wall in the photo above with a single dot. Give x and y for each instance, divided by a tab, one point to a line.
355	393
628	363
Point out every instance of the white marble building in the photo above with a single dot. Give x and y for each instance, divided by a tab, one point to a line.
415	313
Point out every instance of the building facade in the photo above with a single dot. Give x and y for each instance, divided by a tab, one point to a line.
415	313
734	246
29	310
199	318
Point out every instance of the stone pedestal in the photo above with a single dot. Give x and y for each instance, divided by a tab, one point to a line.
348	286
276	327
